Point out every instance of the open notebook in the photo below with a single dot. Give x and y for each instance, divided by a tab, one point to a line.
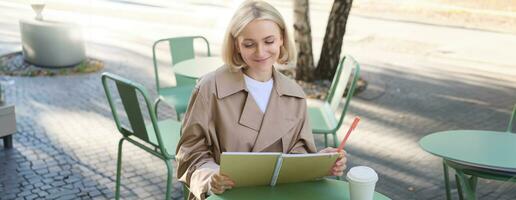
256	169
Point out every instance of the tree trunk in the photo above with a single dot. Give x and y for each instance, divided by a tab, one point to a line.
303	36
330	53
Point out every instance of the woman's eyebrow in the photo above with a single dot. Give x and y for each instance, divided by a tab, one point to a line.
269	37
252	40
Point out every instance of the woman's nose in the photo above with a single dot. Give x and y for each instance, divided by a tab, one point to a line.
260	50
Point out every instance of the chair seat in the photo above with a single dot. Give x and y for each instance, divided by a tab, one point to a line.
170	133
322	118
177	97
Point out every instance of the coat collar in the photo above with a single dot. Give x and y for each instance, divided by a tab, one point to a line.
229	83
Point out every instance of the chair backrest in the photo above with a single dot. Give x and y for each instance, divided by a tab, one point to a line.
509	127
181	48
128	92
347	68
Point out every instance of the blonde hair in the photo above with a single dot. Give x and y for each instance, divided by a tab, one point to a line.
255	10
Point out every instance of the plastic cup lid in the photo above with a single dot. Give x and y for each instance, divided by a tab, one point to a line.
362	174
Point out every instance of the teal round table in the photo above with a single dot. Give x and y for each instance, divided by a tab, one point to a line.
323	189
485	154
188	71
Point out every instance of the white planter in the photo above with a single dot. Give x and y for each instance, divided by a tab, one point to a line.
52	43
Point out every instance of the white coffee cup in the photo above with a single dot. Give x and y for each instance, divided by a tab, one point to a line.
362	181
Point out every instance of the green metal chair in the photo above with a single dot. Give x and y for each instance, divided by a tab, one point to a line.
322	113
511	120
181	49
148	137
467	184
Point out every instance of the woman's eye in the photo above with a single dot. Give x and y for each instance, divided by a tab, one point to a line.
248	45
269	42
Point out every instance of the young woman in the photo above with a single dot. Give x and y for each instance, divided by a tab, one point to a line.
246	105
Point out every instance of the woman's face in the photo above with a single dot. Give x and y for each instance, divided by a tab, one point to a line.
259	44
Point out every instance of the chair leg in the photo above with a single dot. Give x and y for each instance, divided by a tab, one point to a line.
473	182
468	188
446	181
334	139
186	192
325	140
459	187
8	142
178	115
118	169
169	180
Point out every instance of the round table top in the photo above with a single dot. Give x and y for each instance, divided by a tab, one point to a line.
489	149
323	189
197	67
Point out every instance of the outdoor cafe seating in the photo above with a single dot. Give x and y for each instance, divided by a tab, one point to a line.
180	49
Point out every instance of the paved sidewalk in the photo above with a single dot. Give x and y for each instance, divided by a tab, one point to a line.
67	140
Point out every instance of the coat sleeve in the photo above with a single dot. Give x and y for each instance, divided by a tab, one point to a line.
305	139
195	162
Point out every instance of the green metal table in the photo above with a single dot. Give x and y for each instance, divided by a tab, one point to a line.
478	153
322	189
188	71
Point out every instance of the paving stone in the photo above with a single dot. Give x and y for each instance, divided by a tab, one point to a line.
42	194
45	187
94	193
32	196
8	196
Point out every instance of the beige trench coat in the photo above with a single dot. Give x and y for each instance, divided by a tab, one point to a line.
222	117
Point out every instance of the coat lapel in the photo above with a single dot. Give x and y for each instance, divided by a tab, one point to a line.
229	83
251	115
270	130
274	125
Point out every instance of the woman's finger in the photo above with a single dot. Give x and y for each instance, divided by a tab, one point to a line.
217	191
226	178
227	183
342	155
214	186
217	182
328	150
338	169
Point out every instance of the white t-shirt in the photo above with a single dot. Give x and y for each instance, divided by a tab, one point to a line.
261	91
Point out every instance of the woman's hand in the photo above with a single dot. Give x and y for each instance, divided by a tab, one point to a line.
340	164
220	183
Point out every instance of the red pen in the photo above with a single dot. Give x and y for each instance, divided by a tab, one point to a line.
353	126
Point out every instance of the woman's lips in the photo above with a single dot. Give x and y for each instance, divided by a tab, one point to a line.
261	60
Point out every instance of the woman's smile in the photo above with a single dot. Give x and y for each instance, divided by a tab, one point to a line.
261	60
